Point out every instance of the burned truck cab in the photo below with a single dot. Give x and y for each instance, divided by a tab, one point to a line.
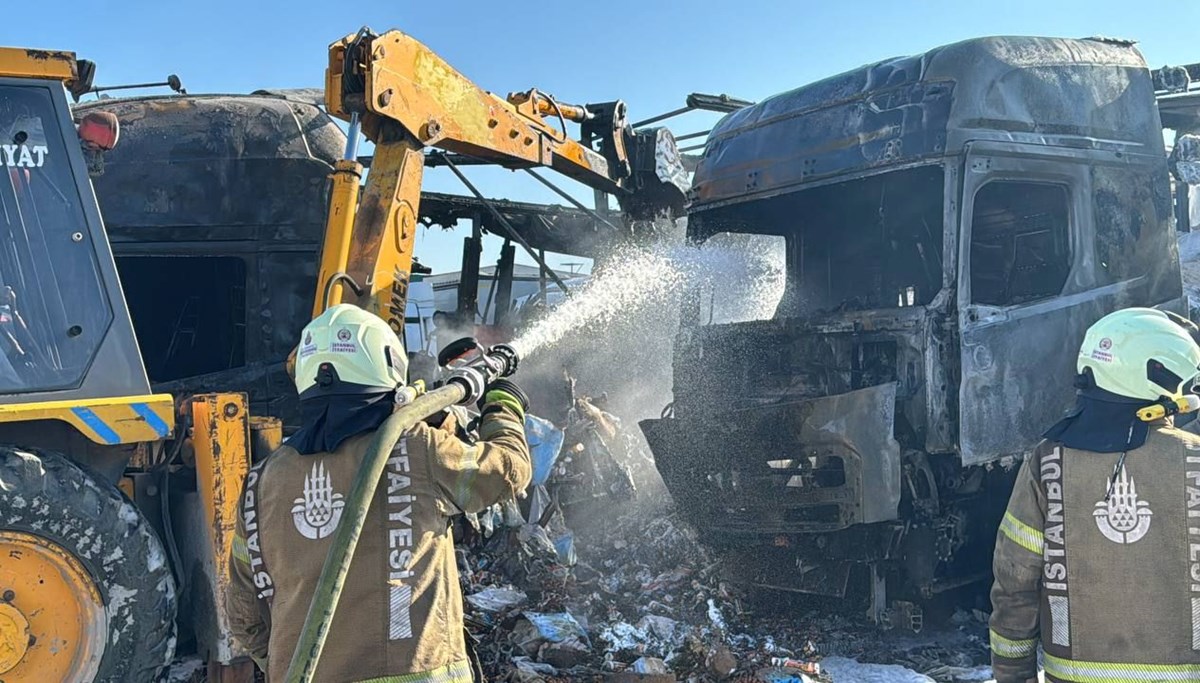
949	225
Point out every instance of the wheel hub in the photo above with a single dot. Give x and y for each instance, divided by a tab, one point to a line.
14	637
52	620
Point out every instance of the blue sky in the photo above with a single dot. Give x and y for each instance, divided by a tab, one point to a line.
650	54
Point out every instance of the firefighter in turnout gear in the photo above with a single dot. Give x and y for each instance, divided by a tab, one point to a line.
1098	555
401	616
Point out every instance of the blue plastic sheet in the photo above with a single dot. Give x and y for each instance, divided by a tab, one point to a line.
564	547
545	443
556	627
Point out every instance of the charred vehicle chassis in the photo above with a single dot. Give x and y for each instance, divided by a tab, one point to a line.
950	224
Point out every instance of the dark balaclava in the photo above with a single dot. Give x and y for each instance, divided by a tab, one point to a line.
1101	422
333	411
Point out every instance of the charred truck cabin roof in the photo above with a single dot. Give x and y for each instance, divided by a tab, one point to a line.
944	220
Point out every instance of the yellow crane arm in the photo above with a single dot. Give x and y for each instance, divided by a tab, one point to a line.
407	98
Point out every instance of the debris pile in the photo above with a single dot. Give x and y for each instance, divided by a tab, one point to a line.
628	592
643	601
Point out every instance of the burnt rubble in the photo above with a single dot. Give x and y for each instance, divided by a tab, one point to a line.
620	587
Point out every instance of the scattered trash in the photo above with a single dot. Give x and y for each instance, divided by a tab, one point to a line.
527	665
649	665
539	629
721	662
806	667
634	677
624	591
497	599
782	675
714	615
842	669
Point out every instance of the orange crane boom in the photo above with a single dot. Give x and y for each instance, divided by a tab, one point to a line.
406	98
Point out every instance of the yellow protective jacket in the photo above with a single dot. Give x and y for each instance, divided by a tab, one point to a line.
1109	589
400	615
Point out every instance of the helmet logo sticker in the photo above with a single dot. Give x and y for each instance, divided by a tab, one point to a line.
344	344
308	348
317	513
1105	344
1123	518
1102	351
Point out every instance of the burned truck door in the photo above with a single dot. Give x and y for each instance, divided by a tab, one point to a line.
1051	240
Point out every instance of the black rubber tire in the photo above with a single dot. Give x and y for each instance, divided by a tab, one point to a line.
44	493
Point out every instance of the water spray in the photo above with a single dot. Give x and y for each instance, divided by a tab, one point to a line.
641	281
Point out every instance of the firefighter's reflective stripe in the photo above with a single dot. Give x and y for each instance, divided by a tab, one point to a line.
458	672
1022	534
240	551
1012	649
1060	619
503	398
1195	620
468	467
1112	672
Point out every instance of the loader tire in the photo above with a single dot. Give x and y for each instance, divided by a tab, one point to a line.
82	574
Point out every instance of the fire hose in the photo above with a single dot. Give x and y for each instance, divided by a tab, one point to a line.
465	385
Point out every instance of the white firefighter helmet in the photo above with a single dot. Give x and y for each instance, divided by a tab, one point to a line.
1140	353
347	350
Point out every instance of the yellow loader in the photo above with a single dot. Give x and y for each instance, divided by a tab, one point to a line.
88	582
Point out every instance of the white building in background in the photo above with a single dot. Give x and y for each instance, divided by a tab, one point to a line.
553	295
525	284
418	317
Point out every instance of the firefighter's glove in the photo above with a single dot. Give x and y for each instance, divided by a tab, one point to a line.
505	392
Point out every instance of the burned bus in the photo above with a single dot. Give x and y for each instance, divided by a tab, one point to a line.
950	224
